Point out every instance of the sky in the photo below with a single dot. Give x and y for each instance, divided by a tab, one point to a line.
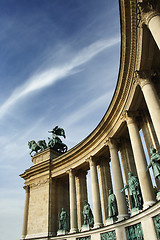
59	66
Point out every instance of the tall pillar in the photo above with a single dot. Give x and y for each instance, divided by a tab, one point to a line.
25	216
73	205
81	186
140	161
152	101
95	194
118	180
127	158
53	208
105	184
151	18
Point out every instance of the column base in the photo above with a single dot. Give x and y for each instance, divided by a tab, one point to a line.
110	221
61	232
85	228
98	225
135	211
148	204
123	217
158	196
73	230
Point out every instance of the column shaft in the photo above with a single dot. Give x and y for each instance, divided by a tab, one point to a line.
73	206
118	181
95	194
154	27
153	104
81	186
25	216
140	161
105	184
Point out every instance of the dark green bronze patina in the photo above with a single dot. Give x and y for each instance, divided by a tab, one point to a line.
112	206
55	142
108	235
134	232
63	220
155	162
156	220
87	215
134	192
84	238
40	145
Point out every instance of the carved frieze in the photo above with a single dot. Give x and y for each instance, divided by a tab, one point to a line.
39	183
134	232
108	235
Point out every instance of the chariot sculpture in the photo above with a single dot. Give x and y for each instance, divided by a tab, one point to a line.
55	143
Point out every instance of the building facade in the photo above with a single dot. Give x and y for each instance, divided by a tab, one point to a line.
115	146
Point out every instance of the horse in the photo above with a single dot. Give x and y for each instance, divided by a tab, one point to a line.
40	145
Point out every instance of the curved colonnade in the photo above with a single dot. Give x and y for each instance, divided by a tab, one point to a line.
114	148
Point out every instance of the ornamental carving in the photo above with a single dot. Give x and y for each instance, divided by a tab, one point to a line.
108	235
134	232
84	238
156	220
40	183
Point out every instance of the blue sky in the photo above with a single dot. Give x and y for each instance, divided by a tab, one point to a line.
59	66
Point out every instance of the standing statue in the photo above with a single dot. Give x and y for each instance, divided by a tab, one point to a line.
134	192
112	206
55	142
155	162
63	220
87	215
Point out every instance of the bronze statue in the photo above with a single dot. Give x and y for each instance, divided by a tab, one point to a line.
134	191
63	220
112	205
88	215
155	162
55	142
40	145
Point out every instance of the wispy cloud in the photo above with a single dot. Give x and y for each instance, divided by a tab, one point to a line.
53	74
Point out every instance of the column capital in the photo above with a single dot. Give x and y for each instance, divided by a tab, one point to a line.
26	188
70	171
130	116
147	10
112	142
145	77
81	172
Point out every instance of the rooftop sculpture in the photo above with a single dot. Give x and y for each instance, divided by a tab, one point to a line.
55	143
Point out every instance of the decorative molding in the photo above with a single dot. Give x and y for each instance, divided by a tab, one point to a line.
40	183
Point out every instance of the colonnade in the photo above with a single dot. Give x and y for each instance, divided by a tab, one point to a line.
126	151
132	157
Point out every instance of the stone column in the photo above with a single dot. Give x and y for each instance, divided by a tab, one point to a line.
151	18
140	161
25	216
53	212
117	179
81	186
127	158
152	101
95	194
105	184
73	206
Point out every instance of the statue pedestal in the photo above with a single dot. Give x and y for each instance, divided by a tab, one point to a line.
158	196
44	156
110	221
135	211
85	228
61	232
